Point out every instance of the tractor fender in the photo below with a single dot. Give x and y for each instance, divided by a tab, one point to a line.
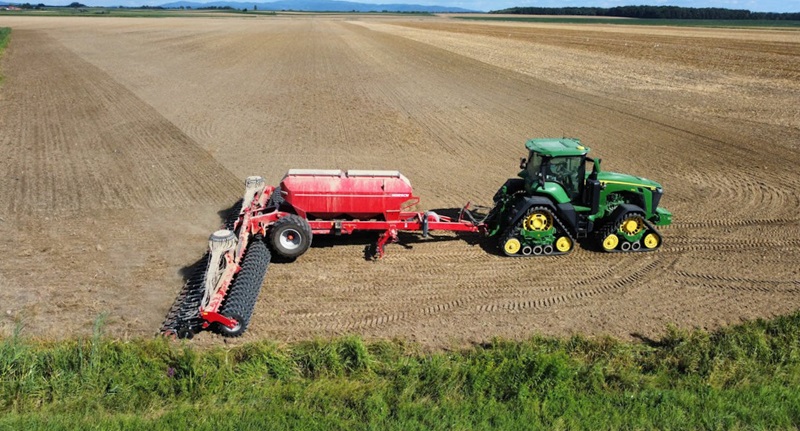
524	204
624	209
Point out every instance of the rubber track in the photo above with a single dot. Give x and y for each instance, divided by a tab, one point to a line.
184	314
514	231
246	285
613	227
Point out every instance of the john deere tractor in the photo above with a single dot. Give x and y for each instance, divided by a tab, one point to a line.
562	196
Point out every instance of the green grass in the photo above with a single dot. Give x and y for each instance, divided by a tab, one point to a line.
5	37
742	377
636	21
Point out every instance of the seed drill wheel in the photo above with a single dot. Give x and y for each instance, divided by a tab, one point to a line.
236	331
290	236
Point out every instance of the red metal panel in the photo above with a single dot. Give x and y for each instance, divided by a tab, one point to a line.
360	195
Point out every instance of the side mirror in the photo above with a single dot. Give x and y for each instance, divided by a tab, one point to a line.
523	163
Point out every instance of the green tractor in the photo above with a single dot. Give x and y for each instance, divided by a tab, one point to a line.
555	202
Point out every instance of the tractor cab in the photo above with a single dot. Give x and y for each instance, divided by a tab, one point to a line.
556	167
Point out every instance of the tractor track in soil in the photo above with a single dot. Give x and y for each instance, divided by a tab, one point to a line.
126	144
603	288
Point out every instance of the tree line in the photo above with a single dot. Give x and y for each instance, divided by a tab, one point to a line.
654	12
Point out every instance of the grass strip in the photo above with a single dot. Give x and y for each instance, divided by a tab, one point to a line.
5	37
740	377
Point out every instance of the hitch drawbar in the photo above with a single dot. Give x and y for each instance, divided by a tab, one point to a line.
221	293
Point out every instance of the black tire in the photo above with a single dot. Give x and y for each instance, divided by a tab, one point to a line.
244	290
290	236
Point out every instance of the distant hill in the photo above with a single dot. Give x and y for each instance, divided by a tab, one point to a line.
320	6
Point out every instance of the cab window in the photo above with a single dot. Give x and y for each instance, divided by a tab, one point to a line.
534	165
567	171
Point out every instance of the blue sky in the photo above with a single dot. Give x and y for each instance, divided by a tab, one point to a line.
486	5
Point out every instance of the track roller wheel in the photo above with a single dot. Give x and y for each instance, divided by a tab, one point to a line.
511	246
564	244
244	289
651	241
290	236
610	242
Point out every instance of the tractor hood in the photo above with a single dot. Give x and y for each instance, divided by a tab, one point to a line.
627	180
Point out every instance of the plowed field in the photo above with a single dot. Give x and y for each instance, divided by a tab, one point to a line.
123	140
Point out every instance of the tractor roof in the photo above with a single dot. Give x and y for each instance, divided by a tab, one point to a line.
555	147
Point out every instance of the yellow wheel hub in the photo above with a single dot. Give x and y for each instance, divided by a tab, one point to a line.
563	244
512	246
610	242
539	221
632	225
650	240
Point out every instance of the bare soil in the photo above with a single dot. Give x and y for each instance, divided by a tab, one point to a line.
124	139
